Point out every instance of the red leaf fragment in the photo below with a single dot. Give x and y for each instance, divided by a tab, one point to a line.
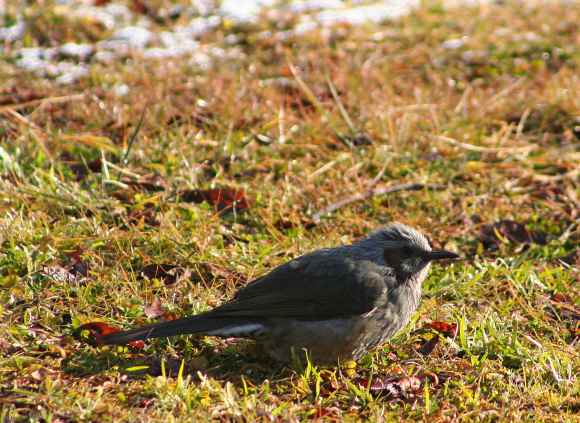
447	329
561	298
226	199
138	345
100	329
169	316
140	7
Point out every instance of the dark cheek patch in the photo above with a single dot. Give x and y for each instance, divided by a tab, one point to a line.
393	259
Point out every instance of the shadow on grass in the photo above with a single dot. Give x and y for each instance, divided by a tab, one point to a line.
231	363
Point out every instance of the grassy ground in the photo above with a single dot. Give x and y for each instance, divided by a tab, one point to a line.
488	123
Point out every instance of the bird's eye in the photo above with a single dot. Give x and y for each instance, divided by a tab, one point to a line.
407	251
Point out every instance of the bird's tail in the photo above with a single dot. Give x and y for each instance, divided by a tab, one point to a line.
203	325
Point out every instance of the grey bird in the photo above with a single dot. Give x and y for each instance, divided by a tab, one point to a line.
335	303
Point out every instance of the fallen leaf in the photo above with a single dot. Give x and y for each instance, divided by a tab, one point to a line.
140	7
204	272
428	347
561	298
170	274
126	196
154	309
146	402
566	307
401	387
77	266
245	122
58	273
223	199
18	95
151	182
74	270
100	329
447	329
396	387
284	224
37	375
204	119
146	215
492	235
298	100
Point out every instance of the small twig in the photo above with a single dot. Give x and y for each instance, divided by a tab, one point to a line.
462	104
379	176
503	93
534	342
36	131
522	122
341	108
307	91
42	102
480	149
572	174
412	108
327	166
281	126
318	105
121	169
373	192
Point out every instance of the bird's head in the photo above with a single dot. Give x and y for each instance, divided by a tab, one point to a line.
407	251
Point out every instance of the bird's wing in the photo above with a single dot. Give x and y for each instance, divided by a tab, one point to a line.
320	285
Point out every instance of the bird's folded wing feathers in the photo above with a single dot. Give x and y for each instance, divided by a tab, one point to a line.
312	287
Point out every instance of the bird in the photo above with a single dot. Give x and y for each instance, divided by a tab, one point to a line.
332	304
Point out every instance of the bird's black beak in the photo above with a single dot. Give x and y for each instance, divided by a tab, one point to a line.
440	255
